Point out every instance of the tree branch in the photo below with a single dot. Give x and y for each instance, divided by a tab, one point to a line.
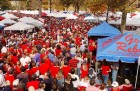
132	3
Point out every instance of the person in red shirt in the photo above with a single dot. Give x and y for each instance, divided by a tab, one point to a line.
105	71
43	67
10	76
58	51
33	83
34	69
14	59
84	70
54	69
66	69
115	86
73	62
17	68
47	60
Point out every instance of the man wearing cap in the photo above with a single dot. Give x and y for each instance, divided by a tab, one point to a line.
115	86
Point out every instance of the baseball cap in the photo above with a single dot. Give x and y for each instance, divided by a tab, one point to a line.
115	84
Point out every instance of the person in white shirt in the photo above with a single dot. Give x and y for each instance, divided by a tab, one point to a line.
4	49
2	79
83	47
75	79
79	63
73	50
25	60
85	82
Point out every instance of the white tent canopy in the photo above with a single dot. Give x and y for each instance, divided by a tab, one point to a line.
19	26
60	15
133	22
7	21
10	16
116	22
71	16
1	24
90	18
31	21
50	14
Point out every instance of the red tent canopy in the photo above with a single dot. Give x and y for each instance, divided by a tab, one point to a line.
43	14
1	18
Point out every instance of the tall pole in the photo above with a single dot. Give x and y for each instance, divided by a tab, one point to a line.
50	6
107	10
40	7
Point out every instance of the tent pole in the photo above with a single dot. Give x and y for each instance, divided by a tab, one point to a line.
137	76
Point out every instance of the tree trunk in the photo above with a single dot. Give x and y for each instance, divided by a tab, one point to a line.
123	23
78	8
75	8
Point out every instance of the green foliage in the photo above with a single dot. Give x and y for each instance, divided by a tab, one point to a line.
5	4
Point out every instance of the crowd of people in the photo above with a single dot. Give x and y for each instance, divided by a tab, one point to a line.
59	57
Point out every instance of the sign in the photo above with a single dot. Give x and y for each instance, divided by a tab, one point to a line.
129	40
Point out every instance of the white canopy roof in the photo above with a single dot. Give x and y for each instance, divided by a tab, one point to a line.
32	21
59	15
7	21
50	14
19	26
1	24
71	16
133	22
90	18
116	22
10	16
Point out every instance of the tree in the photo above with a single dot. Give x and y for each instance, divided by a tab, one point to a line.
77	4
65	3
5	4
124	6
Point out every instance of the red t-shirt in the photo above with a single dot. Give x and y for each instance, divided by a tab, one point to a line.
66	70
73	63
54	70
48	62
84	73
42	55
24	46
105	69
58	52
33	83
78	41
115	90
43	68
14	59
11	78
17	70
91	48
33	70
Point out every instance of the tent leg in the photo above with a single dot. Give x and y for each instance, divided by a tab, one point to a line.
137	76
